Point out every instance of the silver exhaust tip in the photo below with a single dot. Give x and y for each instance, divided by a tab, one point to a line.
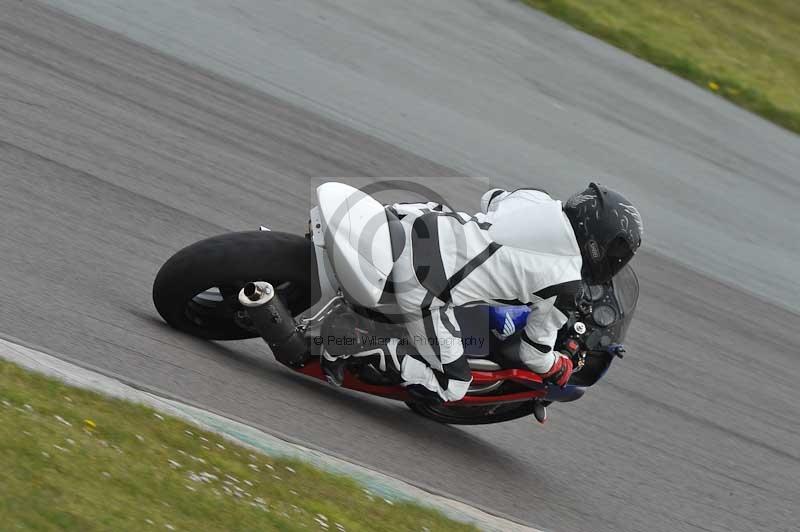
255	293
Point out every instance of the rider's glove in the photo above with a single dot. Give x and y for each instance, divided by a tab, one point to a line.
560	372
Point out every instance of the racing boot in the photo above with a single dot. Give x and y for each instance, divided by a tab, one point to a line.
382	366
341	335
348	345
379	365
333	367
385	367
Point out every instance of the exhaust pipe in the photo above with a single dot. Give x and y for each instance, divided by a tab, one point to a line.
274	323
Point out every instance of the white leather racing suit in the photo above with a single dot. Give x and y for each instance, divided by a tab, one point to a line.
519	250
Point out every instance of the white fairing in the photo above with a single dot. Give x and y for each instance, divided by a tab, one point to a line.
355	232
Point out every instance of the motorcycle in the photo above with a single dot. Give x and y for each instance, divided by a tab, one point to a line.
283	287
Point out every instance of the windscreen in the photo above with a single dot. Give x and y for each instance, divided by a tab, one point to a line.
626	291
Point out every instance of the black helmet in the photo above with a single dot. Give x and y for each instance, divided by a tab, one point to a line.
608	229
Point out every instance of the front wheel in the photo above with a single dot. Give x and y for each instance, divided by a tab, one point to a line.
472	415
196	290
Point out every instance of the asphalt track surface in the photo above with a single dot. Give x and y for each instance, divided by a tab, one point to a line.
113	155
493	88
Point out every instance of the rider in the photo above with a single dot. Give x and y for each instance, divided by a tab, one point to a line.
523	248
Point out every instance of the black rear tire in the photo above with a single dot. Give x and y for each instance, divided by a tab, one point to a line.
472	415
228	262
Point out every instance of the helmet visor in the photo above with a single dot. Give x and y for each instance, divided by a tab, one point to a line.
618	254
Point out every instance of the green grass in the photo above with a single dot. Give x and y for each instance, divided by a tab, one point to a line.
744	50
74	460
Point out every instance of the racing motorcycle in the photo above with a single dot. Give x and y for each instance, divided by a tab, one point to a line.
286	288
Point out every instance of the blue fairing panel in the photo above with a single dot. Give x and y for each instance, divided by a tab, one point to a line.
481	324
507	320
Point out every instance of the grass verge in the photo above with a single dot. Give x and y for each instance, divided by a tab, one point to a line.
745	51
71	459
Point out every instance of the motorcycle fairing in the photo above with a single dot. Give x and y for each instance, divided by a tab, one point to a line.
535	388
